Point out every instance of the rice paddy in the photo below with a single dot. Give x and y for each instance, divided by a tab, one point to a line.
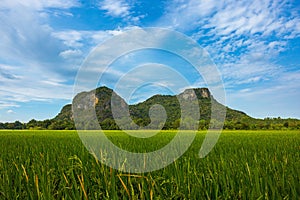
242	165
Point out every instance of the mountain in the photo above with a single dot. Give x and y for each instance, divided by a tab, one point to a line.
100	101
139	115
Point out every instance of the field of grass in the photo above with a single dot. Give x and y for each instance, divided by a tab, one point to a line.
242	165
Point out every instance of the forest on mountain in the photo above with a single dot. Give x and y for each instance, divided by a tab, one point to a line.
100	101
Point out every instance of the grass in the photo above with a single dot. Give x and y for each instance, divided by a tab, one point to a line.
243	165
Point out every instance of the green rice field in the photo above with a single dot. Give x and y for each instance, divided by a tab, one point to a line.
242	165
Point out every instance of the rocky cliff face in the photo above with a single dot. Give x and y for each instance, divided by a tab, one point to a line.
205	93
99	102
85	100
195	93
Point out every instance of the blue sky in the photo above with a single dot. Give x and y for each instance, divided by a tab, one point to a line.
255	45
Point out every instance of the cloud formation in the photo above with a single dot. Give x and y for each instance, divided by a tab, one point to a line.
32	52
115	8
120	9
243	37
39	4
10	111
40	55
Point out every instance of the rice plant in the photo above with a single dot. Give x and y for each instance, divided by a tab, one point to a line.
243	165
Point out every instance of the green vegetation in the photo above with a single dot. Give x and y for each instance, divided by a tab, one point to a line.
109	124
243	165
100	101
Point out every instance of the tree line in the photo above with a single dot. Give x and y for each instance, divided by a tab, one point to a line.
245	123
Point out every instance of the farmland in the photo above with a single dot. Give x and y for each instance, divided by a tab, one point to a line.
242	165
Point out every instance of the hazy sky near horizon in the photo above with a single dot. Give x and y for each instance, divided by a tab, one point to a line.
255	45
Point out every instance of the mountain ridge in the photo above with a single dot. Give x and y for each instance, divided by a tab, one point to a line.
99	100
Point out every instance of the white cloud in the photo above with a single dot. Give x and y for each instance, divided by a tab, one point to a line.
80	38
10	111
115	8
7	104
34	84
121	9
242	36
255	53
224	17
41	53
80	42
278	98
245	39
70	38
70	53
236	31
42	61
39	4
26	39
32	52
